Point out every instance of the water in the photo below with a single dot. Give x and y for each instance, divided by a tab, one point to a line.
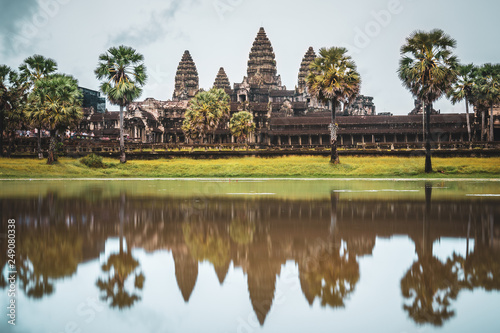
253	256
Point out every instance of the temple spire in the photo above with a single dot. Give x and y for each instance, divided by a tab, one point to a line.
261	69
304	69
221	80
186	78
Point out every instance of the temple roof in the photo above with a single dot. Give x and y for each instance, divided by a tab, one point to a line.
304	68
282	93
186	78
262	64
221	80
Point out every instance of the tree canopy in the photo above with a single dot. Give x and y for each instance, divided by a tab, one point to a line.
123	74
56	102
428	69
241	125
205	112
333	77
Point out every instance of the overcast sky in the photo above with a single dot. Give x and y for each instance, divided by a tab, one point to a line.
221	32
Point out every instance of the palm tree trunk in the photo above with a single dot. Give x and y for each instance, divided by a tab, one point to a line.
492	134
122	218
468	121
483	123
334	156
10	136
123	157
52	147
39	144
1	132
428	162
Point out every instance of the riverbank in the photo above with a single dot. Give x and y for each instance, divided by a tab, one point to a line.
252	167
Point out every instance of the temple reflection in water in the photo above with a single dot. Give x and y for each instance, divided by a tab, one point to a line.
324	238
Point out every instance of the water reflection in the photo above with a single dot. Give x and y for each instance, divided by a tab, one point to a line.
45	257
432	285
326	239
119	268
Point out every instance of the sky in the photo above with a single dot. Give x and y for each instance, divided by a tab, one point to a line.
220	33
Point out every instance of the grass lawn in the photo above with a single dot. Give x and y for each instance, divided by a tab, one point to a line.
287	167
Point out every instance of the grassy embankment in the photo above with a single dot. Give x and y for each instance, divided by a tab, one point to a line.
288	167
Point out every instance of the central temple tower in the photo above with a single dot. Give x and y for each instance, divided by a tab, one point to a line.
262	70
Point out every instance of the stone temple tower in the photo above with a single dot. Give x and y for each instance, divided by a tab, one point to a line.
221	80
304	69
186	78
262	64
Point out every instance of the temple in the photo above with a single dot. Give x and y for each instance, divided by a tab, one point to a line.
282	116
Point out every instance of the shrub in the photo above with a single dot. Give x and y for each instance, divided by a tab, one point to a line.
92	161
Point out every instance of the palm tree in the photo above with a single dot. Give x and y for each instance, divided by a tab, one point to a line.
333	78
205	112
428	69
56	102
13	96
241	125
462	89
478	101
487	91
5	99
33	69
123	75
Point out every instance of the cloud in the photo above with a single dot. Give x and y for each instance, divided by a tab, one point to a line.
157	27
12	17
15	11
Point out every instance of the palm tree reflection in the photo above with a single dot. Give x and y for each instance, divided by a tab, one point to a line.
331	274
432	285
119	268
46	255
332	270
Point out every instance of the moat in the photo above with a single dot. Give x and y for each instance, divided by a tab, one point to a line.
253	255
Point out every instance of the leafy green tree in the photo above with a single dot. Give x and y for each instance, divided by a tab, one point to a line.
487	92
13	96
241	125
123	74
56	102
205	112
462	89
428	69
33	69
333	78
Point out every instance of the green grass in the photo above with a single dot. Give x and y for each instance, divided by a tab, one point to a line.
287	167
